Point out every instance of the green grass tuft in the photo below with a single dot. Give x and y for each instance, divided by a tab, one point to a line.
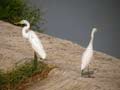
11	80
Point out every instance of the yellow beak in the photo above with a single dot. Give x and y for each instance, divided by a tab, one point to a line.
18	23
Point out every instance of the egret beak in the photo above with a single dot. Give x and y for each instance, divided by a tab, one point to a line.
17	23
99	30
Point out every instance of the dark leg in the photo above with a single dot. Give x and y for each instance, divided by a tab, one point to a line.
35	60
81	73
35	56
88	68
88	72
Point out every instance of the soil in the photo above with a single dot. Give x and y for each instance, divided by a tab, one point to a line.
63	54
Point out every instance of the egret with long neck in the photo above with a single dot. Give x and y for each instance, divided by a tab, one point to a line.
88	53
34	40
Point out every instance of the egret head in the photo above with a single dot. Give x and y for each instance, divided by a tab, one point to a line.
23	22
93	31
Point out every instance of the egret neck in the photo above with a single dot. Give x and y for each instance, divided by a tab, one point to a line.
90	46
25	30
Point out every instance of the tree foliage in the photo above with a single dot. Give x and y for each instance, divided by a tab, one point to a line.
15	10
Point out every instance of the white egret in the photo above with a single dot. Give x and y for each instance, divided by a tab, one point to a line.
33	39
88	53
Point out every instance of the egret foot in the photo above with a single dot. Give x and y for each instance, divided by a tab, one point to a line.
89	75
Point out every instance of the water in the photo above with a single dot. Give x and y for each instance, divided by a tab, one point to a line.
74	19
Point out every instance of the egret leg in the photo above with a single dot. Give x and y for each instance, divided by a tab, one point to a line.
35	60
88	69
81	73
88	72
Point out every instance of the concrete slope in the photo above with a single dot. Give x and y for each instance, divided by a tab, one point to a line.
63	54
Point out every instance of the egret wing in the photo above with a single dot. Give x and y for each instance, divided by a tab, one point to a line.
36	44
87	55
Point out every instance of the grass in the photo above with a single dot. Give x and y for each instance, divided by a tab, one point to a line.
15	79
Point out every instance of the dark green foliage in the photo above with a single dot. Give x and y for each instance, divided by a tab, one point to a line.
3	79
15	10
11	80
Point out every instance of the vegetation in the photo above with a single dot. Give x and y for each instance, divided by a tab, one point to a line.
13	79
15	10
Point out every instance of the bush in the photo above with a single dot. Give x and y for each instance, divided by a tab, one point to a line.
15	10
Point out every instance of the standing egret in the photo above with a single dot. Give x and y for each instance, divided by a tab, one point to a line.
33	39
88	54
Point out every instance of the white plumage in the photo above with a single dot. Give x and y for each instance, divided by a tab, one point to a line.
87	55
33	39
